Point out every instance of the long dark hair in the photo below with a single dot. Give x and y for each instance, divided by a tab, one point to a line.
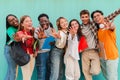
79	33
8	25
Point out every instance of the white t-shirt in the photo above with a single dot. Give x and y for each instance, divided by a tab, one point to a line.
60	43
72	48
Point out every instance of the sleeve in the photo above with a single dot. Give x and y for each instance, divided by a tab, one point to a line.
69	37
19	35
36	45
71	44
72	49
61	39
35	33
10	32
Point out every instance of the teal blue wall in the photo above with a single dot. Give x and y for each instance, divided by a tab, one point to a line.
54	8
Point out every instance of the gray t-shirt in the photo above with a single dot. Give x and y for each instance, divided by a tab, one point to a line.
89	36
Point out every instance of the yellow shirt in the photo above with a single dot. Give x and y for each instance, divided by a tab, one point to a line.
108	47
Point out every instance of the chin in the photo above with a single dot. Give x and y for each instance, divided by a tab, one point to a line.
45	28
85	23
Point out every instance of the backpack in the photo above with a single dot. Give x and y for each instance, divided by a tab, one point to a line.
18	54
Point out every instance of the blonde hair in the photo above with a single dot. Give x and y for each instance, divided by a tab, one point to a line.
58	22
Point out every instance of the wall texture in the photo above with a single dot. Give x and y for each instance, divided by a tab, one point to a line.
54	8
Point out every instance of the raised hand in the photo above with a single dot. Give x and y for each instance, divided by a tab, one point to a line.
72	30
41	33
25	37
109	24
35	54
55	34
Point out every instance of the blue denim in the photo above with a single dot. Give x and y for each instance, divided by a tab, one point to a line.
110	69
41	65
11	70
57	65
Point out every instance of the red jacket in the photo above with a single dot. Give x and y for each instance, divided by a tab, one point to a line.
28	44
82	44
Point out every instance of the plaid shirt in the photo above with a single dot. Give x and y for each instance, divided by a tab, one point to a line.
94	30
113	15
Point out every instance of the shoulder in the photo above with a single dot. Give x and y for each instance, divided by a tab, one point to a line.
11	28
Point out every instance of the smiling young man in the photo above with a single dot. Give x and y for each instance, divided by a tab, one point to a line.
108	49
43	34
90	58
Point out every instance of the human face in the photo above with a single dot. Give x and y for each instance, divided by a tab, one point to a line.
85	18
13	21
27	23
44	22
98	18
63	23
75	26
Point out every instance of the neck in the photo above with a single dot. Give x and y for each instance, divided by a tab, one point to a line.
27	30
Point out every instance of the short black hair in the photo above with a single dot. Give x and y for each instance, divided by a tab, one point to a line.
42	15
99	11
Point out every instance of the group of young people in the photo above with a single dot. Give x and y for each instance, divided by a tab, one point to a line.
93	40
